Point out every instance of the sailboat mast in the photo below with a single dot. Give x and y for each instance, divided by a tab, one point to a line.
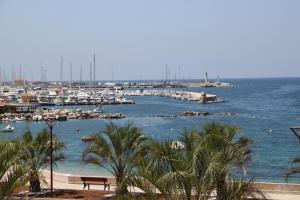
179	74
42	77
20	75
166	73
61	69
91	72
94	67
4	76
71	75
12	75
81	73
45	75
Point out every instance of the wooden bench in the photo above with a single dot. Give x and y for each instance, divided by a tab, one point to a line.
87	181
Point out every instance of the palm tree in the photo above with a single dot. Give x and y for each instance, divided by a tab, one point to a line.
156	170
36	155
167	168
294	169
12	173
115	149
223	151
203	164
242	190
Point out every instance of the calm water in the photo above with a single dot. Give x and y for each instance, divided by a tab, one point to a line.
266	109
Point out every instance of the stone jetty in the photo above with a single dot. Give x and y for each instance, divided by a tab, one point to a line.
200	97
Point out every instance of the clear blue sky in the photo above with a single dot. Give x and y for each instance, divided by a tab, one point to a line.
242	38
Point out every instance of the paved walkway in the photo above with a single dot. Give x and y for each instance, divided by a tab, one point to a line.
274	195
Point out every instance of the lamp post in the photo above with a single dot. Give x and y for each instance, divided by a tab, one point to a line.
296	131
50	121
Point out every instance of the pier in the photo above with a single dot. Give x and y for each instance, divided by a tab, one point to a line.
200	97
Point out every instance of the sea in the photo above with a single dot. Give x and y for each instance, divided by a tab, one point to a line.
263	108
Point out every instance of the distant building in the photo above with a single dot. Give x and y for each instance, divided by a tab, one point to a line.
29	98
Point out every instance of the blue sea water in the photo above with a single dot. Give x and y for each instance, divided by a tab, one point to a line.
265	108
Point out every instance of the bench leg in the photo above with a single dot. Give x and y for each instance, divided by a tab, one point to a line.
106	186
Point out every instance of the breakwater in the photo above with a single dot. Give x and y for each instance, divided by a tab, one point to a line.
67	114
60	115
200	97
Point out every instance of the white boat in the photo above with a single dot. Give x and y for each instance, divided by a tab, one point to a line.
177	145
37	118
8	128
99	109
19	119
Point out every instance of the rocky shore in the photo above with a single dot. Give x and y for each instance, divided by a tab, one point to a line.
60	115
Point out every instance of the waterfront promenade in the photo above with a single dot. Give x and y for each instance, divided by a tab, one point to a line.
275	191
274	195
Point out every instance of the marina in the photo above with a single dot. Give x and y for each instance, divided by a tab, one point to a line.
27	98
163	117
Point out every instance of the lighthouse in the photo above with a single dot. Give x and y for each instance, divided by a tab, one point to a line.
206	79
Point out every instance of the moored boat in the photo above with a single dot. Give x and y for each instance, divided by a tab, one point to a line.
88	139
61	118
8	128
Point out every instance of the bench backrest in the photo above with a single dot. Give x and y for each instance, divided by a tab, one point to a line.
94	179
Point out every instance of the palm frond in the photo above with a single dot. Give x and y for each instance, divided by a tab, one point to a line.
12	172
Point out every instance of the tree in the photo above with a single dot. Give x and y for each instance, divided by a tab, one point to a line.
157	170
115	149
12	173
295	169
168	168
223	151
201	161
242	190
36	153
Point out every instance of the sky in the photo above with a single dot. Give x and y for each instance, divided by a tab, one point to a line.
135	39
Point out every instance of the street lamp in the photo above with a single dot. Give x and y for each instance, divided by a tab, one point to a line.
50	121
296	131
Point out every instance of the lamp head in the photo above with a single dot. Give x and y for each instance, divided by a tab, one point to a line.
296	131
50	121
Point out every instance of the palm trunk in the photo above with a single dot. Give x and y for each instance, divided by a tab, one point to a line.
221	194
188	190
121	186
35	185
